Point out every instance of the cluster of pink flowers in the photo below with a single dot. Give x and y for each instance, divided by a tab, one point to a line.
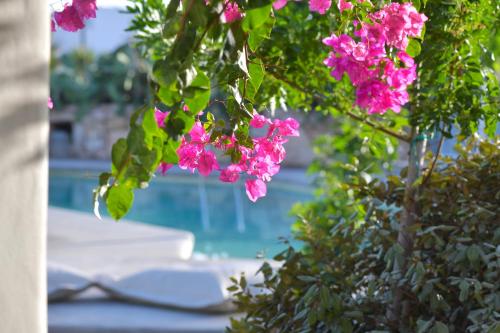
72	17
380	80
260	163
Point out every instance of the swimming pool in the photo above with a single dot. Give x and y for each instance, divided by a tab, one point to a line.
225	223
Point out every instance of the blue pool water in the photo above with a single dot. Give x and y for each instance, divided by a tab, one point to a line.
225	223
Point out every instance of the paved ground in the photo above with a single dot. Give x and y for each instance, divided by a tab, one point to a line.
114	317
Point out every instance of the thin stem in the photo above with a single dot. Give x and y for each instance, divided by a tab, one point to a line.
184	19
438	152
121	169
209	25
378	127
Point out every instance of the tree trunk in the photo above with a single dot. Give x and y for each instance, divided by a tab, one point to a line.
400	310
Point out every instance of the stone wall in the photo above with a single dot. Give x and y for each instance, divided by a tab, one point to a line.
90	137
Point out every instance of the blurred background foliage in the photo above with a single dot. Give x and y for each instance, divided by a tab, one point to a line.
84	80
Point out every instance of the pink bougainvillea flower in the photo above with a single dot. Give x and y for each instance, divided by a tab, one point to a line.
72	17
198	134
255	189
399	78
232	12
85	8
271	147
278	4
69	19
406	59
263	168
259	121
160	117
344	5
319	6
188	155
164	167
185	108
377	97
231	174
50	104
207	162
287	127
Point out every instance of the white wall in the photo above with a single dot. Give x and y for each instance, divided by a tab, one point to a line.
24	55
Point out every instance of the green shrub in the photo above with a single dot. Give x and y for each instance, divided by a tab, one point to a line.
342	280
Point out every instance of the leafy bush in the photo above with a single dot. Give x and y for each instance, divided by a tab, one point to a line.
342	280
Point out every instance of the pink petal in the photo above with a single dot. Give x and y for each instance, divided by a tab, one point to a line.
50	104
164	167
207	162
278	4
85	8
255	189
160	117
69	19
320	6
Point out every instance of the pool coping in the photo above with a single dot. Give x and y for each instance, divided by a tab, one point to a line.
298	176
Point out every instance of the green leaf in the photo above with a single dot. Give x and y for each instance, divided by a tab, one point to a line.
197	95
439	327
172	8
416	4
118	154
198	13
464	290
242	61
179	123
257	36
170	152
135	139
169	95
150	127
187	76
119	199
423	325
473	253
256	71
165	72
413	48
256	17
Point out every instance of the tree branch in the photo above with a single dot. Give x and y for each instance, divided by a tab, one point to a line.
352	115
438	152
184	19
209	25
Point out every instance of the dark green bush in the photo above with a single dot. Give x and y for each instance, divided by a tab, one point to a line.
342	280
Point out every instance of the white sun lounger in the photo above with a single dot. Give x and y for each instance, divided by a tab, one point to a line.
97	269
